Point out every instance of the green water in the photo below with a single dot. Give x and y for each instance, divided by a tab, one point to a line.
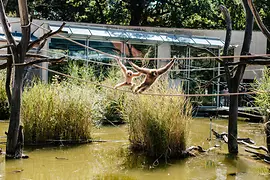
108	160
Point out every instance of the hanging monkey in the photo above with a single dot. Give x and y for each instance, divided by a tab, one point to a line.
128	75
151	75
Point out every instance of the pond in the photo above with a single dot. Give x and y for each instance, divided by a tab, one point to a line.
109	160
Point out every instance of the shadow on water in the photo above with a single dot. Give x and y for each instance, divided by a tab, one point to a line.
113	160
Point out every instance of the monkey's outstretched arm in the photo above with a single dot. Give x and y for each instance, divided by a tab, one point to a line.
124	69
137	74
166	68
139	69
120	85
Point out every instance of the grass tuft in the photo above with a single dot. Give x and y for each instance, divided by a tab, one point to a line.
158	125
60	111
4	107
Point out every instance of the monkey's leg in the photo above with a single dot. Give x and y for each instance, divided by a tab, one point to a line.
120	85
137	88
143	88
132	86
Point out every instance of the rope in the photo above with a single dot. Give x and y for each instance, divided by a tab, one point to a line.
175	70
151	94
177	58
27	25
201	58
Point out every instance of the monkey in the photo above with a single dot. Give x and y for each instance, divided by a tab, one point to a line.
151	75
128	75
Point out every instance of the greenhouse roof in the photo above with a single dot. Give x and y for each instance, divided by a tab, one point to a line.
101	33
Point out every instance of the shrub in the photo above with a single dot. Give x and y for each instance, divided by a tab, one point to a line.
263	99
60	111
158	125
4	107
111	104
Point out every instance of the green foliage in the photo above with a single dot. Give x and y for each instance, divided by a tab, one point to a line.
60	111
262	100
3	96
173	13
158	126
111	103
4	107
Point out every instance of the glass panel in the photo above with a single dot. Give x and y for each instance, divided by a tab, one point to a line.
185	40
169	38
201	72
117	34
99	32
201	41
153	37
141	50
80	31
215	42
135	35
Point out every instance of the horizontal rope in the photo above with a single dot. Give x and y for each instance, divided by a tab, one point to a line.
193	68
151	94
201	58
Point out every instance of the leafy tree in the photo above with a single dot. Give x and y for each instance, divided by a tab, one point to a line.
165	13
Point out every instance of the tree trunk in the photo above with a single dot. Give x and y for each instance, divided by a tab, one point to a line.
267	132
233	115
234	82
13	130
14	147
136	11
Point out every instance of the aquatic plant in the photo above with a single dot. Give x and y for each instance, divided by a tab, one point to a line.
59	111
158	125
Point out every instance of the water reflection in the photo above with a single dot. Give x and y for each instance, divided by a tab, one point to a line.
112	160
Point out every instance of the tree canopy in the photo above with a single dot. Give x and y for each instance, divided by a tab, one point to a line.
163	13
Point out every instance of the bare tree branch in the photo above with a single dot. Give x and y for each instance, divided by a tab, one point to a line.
3	66
253	147
51	60
246	43
4	56
40	56
258	20
25	28
41	45
8	77
3	20
5	46
45	36
228	21
5	3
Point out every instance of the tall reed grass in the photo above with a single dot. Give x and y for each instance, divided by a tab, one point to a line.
112	102
158	126
59	111
262	100
4	107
